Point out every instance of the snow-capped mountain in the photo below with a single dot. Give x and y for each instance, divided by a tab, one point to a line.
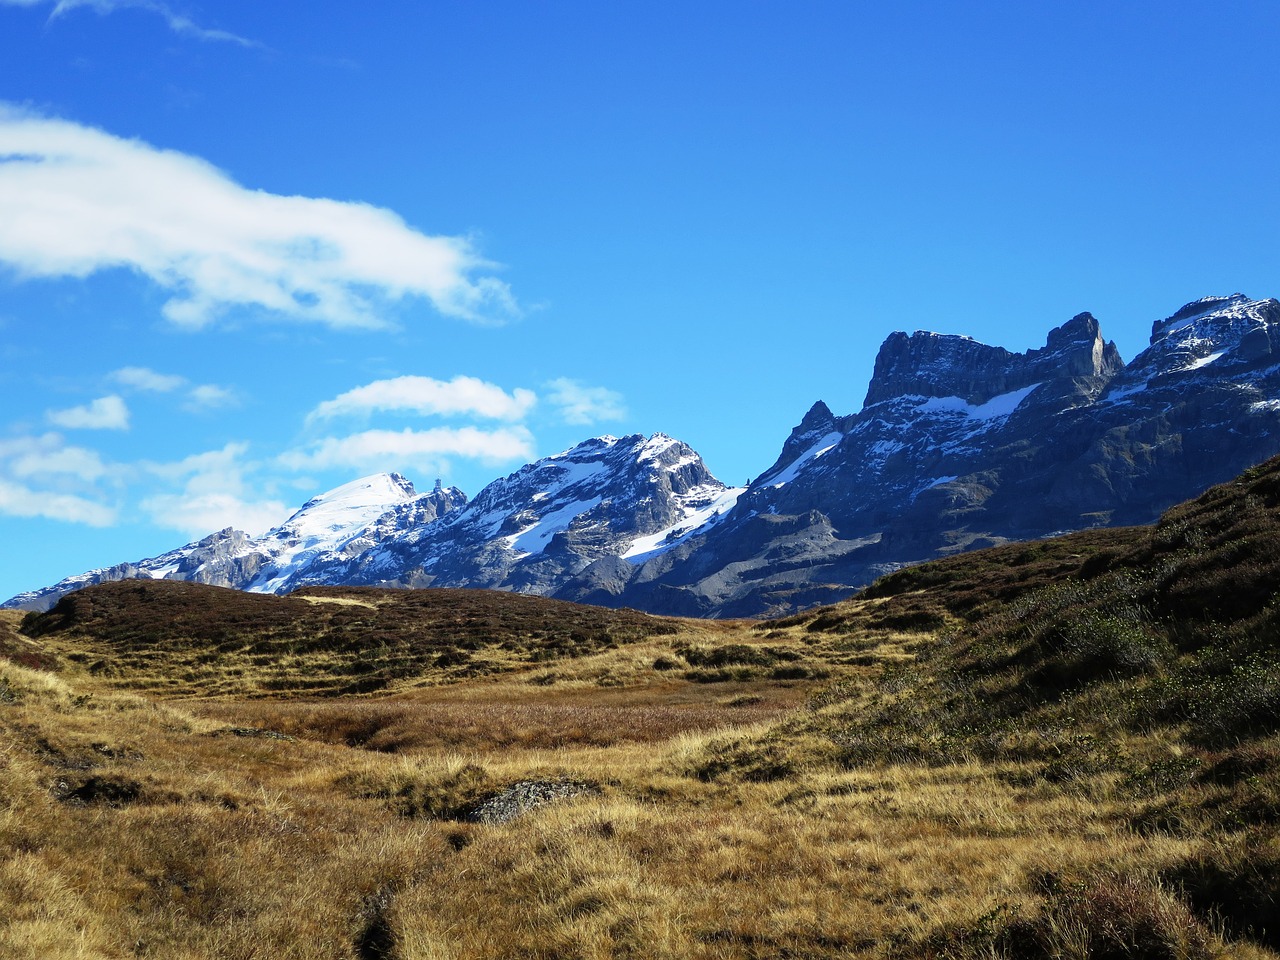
961	445
608	497
345	522
336	525
958	445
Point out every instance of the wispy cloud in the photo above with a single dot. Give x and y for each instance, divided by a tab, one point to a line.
209	396
75	200
44	477
177	22
427	397
17	500
143	378
581	404
105	413
424	449
49	456
201	398
213	491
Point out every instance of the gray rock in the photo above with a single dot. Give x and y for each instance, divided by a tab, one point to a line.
525	795
958	445
962	445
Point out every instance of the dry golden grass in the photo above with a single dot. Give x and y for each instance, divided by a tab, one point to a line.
927	773
343	601
140	828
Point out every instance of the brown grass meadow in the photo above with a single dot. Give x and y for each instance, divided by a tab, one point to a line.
1062	750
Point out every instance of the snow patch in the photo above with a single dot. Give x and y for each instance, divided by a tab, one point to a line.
1000	406
695	520
655	447
1237	307
792	470
567	472
355	504
882	449
534	538
1202	362
1118	396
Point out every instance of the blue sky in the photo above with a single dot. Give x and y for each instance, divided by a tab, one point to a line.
251	251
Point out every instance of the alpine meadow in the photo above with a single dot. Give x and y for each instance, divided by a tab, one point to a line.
728	480
1068	748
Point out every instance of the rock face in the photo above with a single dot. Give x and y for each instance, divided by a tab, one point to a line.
932	365
336	525
961	445
958	445
526	795
606	499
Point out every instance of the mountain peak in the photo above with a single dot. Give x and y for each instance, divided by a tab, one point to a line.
1194	310
1080	328
356	503
1233	308
935	365
819	417
819	422
1076	349
961	444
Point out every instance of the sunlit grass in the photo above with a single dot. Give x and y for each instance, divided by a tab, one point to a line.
1062	750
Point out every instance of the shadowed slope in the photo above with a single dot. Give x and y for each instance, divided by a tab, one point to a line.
195	638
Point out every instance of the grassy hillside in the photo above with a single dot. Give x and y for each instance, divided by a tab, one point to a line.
1063	749
191	638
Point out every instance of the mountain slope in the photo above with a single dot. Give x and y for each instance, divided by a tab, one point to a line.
961	445
601	500
1112	633
335	525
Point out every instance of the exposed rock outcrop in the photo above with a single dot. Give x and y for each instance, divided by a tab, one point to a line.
958	445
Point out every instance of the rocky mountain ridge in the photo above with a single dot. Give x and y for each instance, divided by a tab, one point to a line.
961	445
341	523
633	496
606	497
958	445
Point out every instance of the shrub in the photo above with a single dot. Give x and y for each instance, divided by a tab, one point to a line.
447	795
1115	918
1239	892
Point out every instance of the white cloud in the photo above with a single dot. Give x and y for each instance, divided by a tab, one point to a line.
143	378
197	515
43	477
209	396
200	398
176	21
390	450
214	493
105	413
225	462
48	456
581	404
75	200
425	396
18	500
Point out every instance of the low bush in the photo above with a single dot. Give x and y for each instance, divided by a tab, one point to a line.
1114	918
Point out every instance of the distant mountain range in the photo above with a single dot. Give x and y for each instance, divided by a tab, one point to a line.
958	445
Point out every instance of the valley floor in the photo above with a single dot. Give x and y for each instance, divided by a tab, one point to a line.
716	819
